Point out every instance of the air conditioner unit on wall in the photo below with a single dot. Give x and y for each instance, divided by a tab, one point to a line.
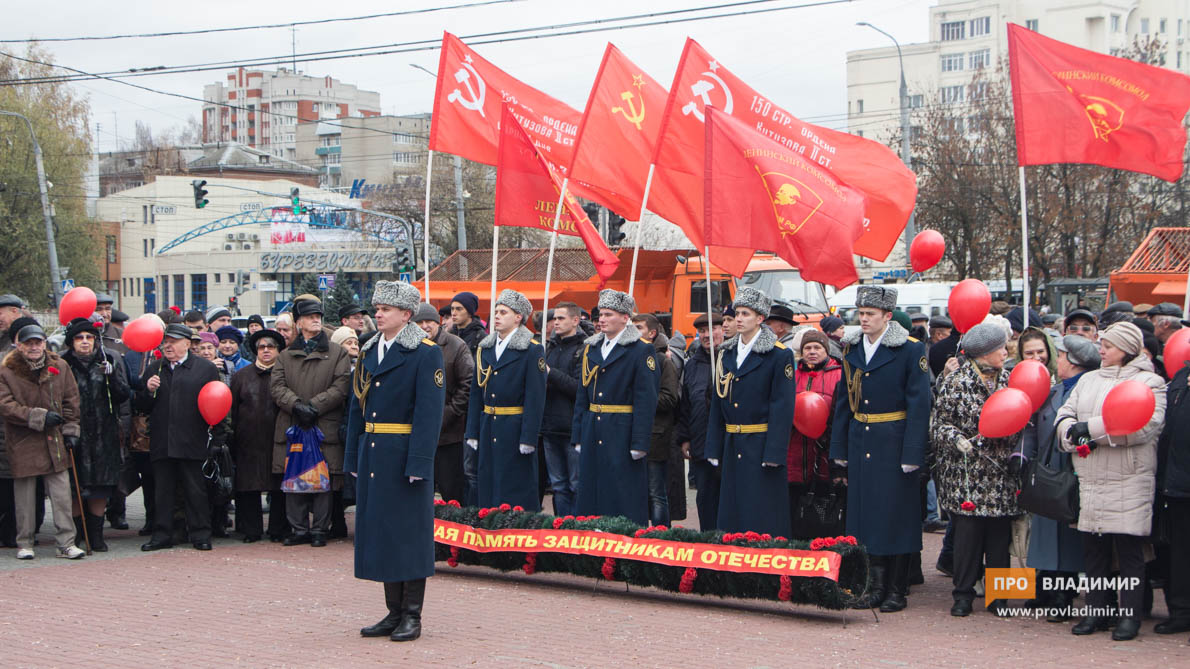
255	237
231	235
227	247
247	246
241	236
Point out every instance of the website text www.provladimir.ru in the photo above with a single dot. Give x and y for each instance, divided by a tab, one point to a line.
1072	612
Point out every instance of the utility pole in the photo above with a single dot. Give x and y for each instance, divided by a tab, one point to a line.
459	215
51	246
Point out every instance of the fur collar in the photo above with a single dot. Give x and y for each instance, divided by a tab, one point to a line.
895	337
518	340
409	337
765	339
321	343
17	363
628	337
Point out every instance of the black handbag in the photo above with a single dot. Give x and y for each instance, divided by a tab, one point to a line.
219	471
820	514
1049	491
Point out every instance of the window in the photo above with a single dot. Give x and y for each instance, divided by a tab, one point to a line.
859	106
1144	26
152	246
952	94
916	101
332	140
180	290
977	60
231	278
952	62
1115	23
1161	26
111	249
404	138
1031	24
139	283
1179	60
331	159
953	30
198	291
915	133
164	290
406	157
145	251
981	26
1179	27
859	133
977	91
218	276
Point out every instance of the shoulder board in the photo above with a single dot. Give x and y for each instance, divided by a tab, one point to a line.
534	341
914	339
427	340
778	344
647	341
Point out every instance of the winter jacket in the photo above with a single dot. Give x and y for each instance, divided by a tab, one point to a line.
236	362
1118	479
472	334
667	403
563	358
1174	446
5	471
253	419
176	427
942	351
321	378
808	458
694	404
99	454
26	396
980	477
459	367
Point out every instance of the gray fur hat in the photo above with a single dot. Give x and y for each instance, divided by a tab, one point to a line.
983	339
876	297
397	294
616	301
755	300
517	302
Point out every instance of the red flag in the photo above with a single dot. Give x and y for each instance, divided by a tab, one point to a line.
618	133
1077	106
762	195
677	191
527	194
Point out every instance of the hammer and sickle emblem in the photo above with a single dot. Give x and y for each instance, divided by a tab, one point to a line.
701	88
633	117
475	101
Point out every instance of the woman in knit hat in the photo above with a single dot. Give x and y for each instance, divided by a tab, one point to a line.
808	467
971	472
1117	476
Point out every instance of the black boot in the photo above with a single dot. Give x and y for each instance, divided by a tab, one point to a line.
898	585
1126	629
411	603
915	575
1090	625
95	533
392	599
877	582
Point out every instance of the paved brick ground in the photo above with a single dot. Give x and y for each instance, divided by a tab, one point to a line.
266	605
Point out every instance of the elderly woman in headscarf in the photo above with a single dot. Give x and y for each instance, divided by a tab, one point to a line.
1117	476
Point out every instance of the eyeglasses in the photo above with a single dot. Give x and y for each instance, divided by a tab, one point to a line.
260	346
1080	328
85	337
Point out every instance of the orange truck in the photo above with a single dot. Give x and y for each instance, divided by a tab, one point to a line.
671	284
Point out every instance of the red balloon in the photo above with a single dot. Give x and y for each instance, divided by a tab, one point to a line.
143	334
969	303
1127	408
810	413
1177	351
1005	413
926	250
1032	377
214	401
78	303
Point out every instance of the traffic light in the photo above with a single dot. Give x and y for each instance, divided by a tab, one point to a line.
296	201
614	223
200	195
404	259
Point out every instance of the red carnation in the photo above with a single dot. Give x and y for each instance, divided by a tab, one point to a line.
751	536
609	569
659	528
483	513
454	503
968	506
530	563
687	583
558	522
506	507
640	532
785	593
453	560
98	325
851	540
53	371
1083	450
817	544
157	354
439	502
518	508
828	541
176	309
782	539
766	537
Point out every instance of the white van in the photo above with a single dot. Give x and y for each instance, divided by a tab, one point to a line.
912	298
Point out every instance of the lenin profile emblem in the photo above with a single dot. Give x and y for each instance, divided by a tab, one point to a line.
1104	115
794	203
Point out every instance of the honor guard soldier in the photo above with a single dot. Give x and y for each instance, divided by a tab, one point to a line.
393	421
879	434
613	414
751	416
507	403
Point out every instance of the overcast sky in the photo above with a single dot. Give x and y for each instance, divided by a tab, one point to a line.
796	57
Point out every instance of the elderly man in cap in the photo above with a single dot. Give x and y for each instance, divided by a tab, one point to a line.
393	423
751	417
506	407
352	316
460	368
613	414
1082	323
178	437
780	321
40	405
694	412
1167	319
111	333
311	381
879	433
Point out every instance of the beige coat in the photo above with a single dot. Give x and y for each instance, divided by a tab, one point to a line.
1118	479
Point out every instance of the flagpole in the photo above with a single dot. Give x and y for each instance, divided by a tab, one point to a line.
1024	248
425	228
495	262
640	225
706	265
549	264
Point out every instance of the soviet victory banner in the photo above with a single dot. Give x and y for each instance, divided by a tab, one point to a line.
1072	105
762	195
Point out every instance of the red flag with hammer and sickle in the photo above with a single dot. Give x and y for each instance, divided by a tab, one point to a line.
1072	105
618	133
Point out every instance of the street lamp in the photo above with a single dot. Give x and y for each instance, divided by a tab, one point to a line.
460	218
910	228
51	247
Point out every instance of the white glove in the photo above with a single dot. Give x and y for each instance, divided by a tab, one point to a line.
769	464
841	463
578	448
526	449
107	368
355	475
908	468
713	461
637	455
414	479
473	443
964	445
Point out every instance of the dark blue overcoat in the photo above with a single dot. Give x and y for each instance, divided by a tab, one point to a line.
517	379
883	502
394	519
611	483
753	497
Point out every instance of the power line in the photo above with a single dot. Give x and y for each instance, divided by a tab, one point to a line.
291	24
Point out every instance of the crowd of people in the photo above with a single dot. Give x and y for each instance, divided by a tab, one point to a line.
602	409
